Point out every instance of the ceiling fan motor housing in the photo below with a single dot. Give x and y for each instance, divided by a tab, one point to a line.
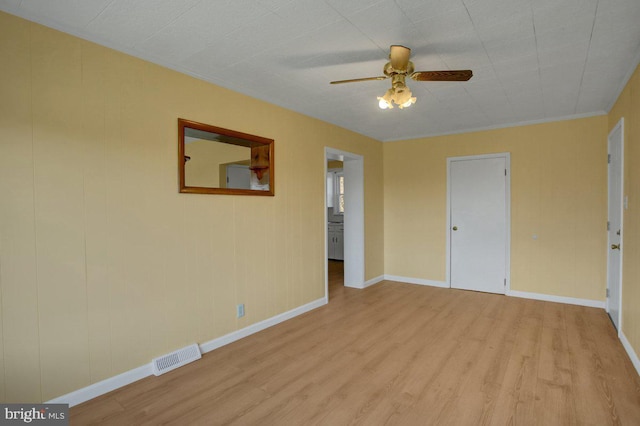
389	71
398	81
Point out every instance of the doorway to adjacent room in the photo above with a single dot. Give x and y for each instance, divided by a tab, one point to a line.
352	216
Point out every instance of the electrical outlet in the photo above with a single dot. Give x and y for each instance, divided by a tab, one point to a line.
240	310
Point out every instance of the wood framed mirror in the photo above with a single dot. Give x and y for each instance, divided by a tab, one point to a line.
214	160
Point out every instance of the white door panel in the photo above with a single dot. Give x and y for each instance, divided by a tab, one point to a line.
614	258
238	177
478	224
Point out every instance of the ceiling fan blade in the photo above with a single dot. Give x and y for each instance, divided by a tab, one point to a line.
455	75
355	80
399	57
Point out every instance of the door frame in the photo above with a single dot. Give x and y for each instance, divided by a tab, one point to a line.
619	125
507	157
353	168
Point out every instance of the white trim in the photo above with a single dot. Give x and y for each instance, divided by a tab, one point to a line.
353	168
373	281
512	293
418	281
353	215
503	126
100	388
259	326
507	190
633	356
326	230
558	299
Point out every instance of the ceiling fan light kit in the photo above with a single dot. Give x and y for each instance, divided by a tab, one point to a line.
400	96
398	68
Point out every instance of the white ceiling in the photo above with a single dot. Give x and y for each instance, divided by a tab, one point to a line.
533	60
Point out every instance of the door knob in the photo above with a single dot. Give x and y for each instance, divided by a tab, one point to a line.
615	246
455	228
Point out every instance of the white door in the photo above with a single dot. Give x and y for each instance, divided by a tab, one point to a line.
614	258
478	223
238	176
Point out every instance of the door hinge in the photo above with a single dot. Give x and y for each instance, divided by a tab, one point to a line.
505	172
505	283
607	292
608	158
608	225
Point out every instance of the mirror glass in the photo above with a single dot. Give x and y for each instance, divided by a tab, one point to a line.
213	160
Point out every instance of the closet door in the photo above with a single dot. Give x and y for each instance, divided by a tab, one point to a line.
478	223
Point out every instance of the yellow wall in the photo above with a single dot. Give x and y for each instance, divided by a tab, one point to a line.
558	192
103	264
628	106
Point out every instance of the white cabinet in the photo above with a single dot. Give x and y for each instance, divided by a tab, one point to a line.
335	241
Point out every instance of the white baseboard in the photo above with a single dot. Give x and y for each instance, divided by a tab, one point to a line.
100	388
632	353
558	299
513	293
365	284
418	281
373	281
259	326
105	386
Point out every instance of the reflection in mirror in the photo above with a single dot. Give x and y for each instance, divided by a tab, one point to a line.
221	161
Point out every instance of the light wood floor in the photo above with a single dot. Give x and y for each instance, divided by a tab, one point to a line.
399	354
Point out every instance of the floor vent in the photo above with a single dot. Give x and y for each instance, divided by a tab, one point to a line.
176	359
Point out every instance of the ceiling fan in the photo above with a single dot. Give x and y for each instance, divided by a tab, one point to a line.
398	69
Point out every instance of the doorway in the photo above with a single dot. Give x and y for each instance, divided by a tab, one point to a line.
353	217
478	222
614	225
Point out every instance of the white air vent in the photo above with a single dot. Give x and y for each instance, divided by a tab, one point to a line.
176	359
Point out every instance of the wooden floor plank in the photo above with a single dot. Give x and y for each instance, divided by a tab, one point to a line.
593	398
617	368
398	354
475	402
554	389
